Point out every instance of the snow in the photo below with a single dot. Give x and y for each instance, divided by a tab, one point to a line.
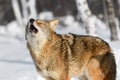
2	29
12	29
116	49
15	59
16	62
46	15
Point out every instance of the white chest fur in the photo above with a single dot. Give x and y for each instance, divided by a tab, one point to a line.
36	44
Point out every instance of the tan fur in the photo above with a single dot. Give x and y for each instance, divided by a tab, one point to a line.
60	57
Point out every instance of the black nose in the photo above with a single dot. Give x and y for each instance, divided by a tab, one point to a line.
32	20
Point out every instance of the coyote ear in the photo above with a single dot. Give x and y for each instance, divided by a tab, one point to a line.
53	24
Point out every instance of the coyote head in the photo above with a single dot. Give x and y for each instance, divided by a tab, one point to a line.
40	29
38	32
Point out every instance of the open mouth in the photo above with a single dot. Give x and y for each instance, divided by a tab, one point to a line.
33	29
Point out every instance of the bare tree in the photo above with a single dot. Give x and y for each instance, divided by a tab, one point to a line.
17	12
118	11
28	10
118	16
112	20
86	15
105	12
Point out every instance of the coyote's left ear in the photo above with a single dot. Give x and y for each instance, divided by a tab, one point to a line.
53	24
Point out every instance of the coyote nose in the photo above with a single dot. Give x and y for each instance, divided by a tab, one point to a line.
32	20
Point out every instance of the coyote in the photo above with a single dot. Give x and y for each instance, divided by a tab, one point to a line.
61	57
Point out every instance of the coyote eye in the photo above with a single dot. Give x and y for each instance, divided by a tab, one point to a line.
33	29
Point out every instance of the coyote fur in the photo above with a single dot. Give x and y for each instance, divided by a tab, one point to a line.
61	57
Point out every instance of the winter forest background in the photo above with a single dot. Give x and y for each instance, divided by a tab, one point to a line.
84	12
85	17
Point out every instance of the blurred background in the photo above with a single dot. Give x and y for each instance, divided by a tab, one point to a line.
99	18
87	14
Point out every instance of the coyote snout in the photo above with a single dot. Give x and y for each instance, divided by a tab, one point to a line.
61	57
31	26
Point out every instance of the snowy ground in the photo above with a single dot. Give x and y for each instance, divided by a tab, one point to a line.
16	62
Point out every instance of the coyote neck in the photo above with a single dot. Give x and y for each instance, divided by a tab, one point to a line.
37	46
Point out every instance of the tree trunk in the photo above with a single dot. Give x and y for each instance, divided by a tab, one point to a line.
28	9
111	20
118	12
87	17
105	12
32	8
17	12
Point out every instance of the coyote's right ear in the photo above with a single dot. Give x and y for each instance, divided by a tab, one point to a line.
53	24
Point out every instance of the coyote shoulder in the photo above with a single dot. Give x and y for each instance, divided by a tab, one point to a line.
61	57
